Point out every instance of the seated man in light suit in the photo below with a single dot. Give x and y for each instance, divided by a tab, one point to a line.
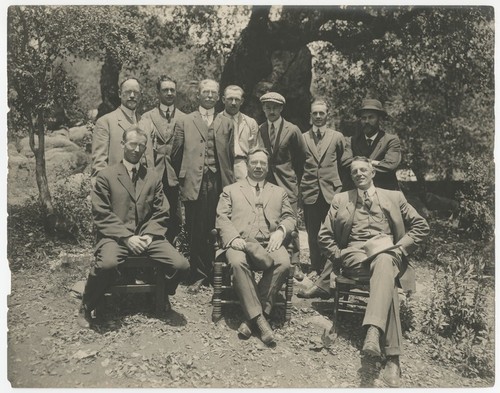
255	209
130	214
355	218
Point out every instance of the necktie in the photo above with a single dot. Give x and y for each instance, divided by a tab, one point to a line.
367	200
369	142
134	175
272	134
257	190
318	144
167	114
318	134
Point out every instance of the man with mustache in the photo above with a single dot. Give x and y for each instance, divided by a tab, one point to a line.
383	149
107	135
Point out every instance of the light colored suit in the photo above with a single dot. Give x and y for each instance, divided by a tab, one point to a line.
120	211
320	182
235	213
106	141
386	148
408	229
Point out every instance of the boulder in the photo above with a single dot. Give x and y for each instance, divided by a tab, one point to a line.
78	134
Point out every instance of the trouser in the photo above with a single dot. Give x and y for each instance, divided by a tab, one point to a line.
314	216
257	298
111	254
200	220
175	215
295	257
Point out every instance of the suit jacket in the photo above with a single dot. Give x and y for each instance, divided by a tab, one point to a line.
121	211
188	152
286	157
237	206
246	135
386	148
322	171
106	141
336	229
162	131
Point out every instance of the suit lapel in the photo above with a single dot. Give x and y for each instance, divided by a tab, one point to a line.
247	192
327	139
124	178
264	134
266	194
309	139
200	124
160	123
141	181
282	132
351	208
377	144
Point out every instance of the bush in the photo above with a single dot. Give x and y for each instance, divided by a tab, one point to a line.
456	318
477	199
73	205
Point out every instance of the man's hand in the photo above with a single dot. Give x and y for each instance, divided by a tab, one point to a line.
137	244
276	240
375	162
238	244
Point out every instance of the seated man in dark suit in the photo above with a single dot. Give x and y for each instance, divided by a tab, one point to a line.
130	213
253	209
360	218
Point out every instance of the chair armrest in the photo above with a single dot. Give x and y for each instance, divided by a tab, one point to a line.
216	239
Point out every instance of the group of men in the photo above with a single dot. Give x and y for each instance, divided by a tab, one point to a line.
246	181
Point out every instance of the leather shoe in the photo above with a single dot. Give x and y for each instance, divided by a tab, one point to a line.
392	372
297	273
195	287
266	333
245	330
371	345
84	318
313	292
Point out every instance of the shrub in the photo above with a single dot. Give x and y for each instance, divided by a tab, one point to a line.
73	205
456	318
477	200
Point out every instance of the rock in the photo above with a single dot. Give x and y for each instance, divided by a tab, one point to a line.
63	132
77	134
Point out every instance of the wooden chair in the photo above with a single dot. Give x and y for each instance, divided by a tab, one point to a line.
223	284
345	287
157	287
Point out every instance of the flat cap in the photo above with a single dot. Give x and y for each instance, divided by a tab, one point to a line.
273	97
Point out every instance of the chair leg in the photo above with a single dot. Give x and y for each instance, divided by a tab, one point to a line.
336	306
289	294
216	300
160	290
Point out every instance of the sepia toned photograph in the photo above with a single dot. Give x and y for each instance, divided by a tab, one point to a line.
250	196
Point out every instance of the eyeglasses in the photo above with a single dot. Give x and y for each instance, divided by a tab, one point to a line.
135	145
130	92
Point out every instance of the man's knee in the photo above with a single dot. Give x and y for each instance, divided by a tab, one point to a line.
109	256
236	259
281	259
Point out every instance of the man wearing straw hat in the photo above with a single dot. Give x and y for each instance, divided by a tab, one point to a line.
368	234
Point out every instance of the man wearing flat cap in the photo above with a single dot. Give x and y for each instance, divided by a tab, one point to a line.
383	149
358	238
253	219
287	151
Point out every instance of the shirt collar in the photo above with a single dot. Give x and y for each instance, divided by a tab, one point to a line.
372	137
235	117
371	192
164	108
253	183
206	112
276	123
321	130
130	166
128	112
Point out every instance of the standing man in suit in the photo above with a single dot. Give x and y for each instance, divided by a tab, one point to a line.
245	129
384	150
364	216
202	156
254	209
130	214
107	135
321	178
283	140
160	124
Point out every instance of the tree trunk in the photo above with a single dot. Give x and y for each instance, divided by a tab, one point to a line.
110	73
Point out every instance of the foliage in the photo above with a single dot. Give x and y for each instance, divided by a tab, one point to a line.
456	317
73	206
477	199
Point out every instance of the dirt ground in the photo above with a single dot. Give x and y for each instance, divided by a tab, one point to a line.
131	347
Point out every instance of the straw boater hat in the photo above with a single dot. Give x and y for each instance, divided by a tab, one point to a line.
377	245
372	105
273	97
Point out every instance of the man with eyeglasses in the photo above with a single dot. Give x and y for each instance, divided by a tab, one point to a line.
107	135
130	214
160	122
203	160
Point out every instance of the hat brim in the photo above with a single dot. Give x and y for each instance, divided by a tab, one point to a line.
367	108
372	257
272	100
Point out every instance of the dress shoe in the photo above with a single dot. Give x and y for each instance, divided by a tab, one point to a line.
371	345
195	287
297	273
84	318
391	374
313	292
168	306
266	333
245	330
